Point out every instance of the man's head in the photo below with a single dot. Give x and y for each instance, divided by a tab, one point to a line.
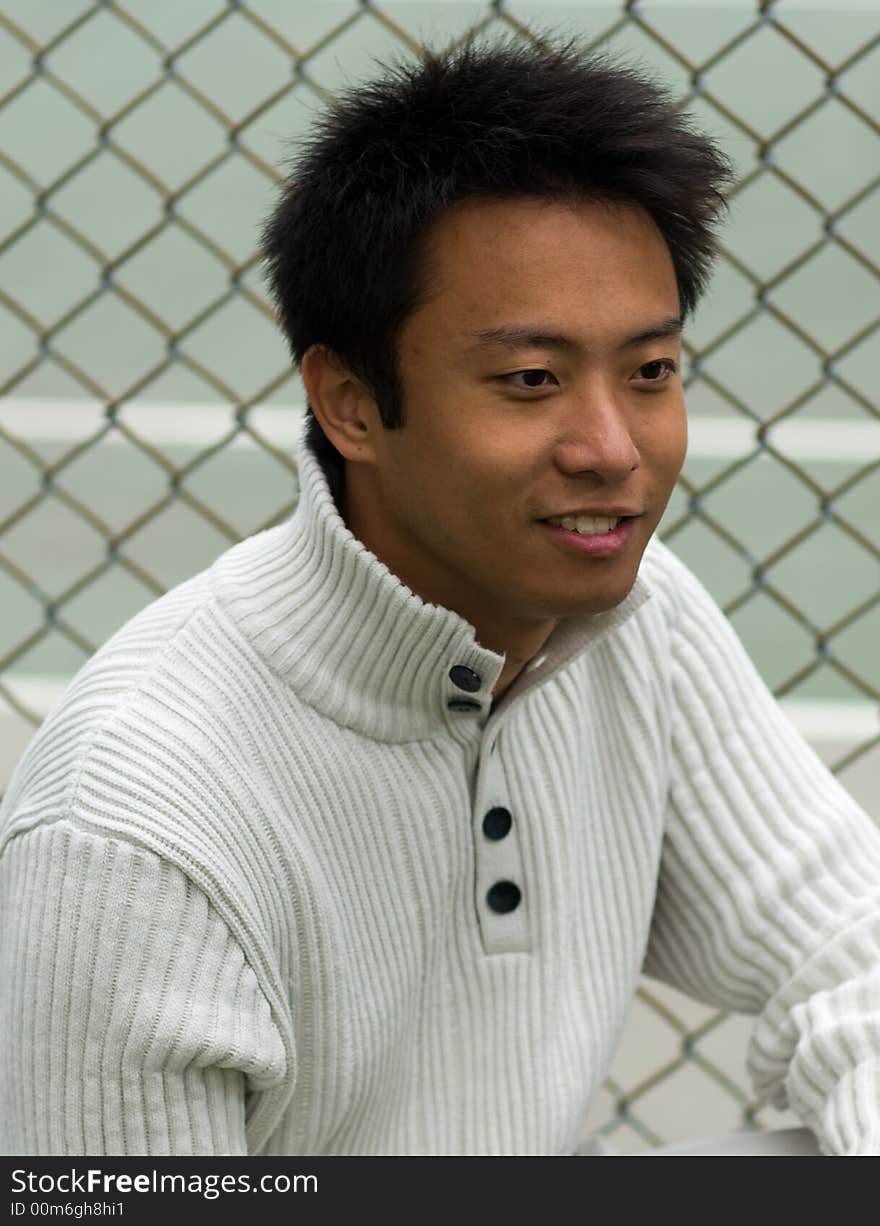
494	188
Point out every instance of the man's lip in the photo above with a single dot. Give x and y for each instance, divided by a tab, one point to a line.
605	512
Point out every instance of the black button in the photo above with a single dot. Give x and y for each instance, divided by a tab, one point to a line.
463	704
504	896
497	823
465	678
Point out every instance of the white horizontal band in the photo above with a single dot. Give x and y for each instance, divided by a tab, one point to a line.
190	424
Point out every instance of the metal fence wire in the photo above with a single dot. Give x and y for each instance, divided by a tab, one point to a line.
140	148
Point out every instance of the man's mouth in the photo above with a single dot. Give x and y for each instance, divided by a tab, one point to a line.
599	535
586	525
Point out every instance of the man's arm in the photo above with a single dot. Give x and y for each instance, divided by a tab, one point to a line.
131	1021
769	891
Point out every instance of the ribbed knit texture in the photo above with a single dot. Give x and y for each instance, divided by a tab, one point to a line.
243	874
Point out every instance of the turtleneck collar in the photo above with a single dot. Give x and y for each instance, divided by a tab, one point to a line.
359	646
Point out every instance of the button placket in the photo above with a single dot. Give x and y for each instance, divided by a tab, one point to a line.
500	888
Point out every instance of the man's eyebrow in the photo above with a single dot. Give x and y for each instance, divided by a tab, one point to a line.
525	336
671	326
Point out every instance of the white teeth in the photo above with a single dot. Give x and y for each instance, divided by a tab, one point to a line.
586	524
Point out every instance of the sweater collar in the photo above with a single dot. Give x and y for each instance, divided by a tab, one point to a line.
359	646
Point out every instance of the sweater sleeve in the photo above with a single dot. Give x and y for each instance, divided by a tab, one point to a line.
768	896
130	1020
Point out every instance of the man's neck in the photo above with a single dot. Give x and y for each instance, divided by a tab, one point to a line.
519	641
513	665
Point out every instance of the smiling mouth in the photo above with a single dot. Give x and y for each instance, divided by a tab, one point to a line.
608	537
587	525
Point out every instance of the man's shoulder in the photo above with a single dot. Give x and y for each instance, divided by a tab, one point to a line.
672	584
151	746
147	699
662	567
137	652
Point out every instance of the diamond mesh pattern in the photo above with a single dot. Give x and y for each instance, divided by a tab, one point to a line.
151	242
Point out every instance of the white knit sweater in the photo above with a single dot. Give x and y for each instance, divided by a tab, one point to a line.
244	876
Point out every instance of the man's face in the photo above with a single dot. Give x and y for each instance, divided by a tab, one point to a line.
501	433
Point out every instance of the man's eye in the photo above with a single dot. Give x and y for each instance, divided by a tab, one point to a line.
533	379
658	371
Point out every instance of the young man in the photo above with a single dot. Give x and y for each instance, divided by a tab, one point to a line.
358	842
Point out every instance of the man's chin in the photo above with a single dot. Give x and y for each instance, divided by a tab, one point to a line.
589	604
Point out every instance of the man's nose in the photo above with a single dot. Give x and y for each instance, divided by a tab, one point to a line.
598	440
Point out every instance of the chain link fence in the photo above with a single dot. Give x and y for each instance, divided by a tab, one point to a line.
147	402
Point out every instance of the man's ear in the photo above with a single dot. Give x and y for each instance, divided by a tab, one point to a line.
345	409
